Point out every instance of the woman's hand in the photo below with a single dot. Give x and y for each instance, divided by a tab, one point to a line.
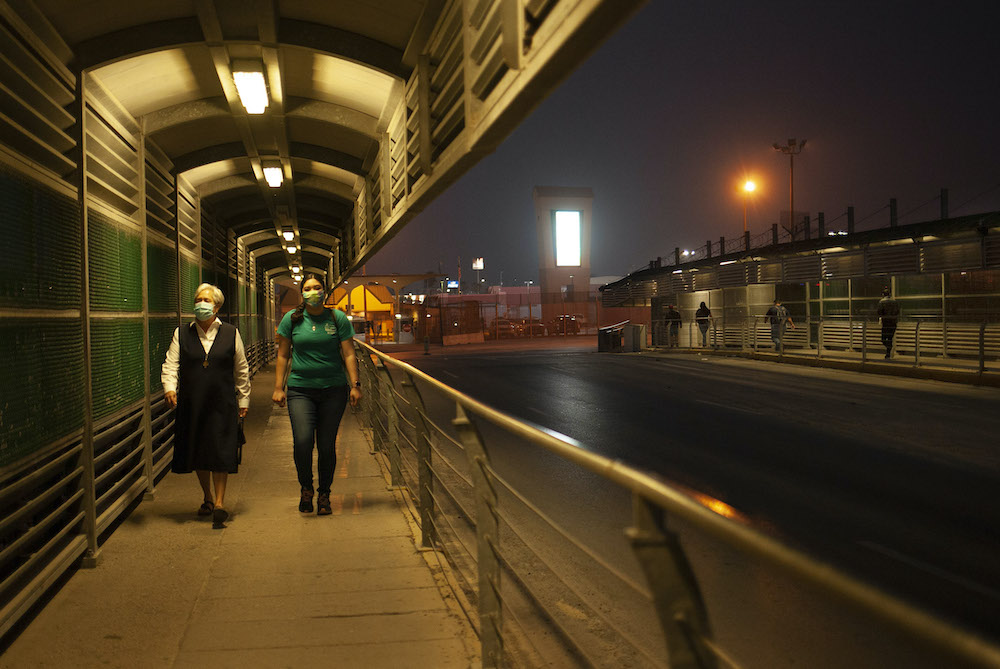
278	397
171	398
355	396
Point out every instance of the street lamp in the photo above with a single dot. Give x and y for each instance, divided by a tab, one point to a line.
748	188
792	149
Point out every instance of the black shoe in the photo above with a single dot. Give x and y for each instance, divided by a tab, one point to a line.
323	504
219	518
306	502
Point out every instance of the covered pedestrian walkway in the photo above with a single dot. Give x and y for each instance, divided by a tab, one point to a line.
274	588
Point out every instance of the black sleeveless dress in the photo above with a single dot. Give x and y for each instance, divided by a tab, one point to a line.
207	420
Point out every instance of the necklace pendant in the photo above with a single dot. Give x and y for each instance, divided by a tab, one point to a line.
314	328
205	364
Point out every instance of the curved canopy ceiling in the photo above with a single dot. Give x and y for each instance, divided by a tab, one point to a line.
333	74
383	102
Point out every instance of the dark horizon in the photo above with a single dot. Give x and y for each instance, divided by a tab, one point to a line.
894	100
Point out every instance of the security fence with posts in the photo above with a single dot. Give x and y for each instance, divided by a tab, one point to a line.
579	560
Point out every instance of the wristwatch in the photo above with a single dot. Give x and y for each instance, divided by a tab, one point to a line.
357	384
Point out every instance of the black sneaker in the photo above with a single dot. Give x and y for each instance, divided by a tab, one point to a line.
323	504
306	501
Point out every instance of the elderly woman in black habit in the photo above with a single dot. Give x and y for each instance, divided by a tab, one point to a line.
207	379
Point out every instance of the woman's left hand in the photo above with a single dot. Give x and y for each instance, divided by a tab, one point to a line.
243	412
355	396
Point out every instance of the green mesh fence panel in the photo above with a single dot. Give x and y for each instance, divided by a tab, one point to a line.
161	331
130	264
58	250
115	265
161	270
41	398
40	229
116	359
190	278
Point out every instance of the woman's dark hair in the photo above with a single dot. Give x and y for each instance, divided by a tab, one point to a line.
703	306
297	314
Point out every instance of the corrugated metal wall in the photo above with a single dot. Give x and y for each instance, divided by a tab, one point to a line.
103	250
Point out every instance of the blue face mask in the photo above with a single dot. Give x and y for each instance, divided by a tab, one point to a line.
313	298
203	311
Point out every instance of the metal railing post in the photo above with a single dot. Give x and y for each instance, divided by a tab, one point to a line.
819	337
864	342
487	541
676	595
916	345
425	479
982	347
392	430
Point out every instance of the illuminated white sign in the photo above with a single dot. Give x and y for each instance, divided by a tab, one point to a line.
478	264
567	224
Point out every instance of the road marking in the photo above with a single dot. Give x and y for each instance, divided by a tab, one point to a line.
451	374
729	407
538	411
937	571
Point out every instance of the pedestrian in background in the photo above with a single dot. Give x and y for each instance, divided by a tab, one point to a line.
888	312
778	317
324	376
704	318
673	321
207	379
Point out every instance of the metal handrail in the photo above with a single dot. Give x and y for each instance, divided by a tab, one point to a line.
653	496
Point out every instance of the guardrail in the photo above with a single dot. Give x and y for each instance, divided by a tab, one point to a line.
540	593
918	341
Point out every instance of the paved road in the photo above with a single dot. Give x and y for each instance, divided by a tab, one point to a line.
896	480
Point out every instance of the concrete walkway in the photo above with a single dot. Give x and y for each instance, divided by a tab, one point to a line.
275	588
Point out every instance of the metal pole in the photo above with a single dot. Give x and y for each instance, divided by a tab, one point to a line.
487	541
92	556
791	192
425	478
982	347
916	346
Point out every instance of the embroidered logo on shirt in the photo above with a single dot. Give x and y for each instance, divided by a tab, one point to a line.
330	328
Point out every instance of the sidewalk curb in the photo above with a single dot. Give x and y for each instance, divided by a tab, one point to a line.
974	378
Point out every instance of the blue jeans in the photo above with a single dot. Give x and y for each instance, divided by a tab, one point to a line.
315	414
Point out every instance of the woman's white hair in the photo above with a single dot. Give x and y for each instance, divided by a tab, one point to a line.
217	295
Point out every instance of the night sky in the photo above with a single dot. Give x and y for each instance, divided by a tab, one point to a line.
667	118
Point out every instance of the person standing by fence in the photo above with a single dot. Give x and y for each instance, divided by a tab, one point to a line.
778	317
704	318
888	312
673	322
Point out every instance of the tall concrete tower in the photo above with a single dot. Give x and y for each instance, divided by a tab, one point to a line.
563	216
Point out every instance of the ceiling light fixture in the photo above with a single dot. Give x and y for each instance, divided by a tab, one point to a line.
288	235
291	248
249	78
274	175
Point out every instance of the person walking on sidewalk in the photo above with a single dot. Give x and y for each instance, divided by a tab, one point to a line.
673	321
888	312
704	318
323	377
778	317
206	378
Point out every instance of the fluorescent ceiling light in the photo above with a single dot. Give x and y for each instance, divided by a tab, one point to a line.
288	235
291	248
296	269
274	176
249	78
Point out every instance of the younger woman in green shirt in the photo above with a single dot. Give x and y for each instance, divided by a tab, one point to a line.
323	377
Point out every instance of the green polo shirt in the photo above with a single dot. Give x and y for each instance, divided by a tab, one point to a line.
316	359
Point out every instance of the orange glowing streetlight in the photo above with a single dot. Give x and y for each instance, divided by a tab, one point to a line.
748	188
